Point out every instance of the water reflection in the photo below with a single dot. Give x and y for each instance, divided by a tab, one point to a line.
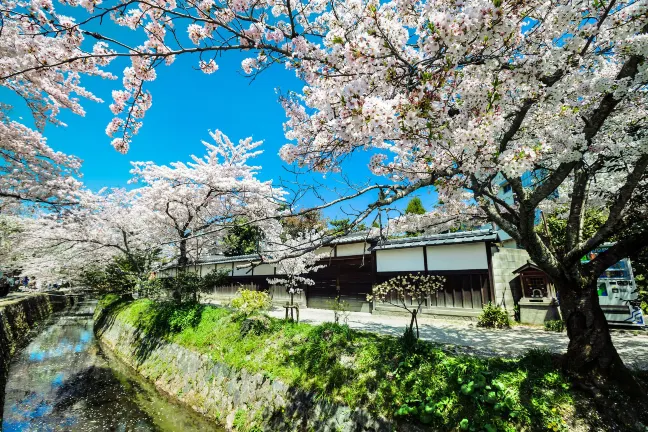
63	381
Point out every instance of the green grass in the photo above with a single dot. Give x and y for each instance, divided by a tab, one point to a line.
425	385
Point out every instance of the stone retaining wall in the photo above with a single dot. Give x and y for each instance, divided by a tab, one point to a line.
505	261
237	399
19	315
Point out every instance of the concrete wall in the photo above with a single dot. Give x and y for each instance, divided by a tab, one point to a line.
219	391
538	311
505	261
264	270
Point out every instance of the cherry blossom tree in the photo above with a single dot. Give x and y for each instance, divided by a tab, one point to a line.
445	94
88	235
294	259
409	292
191	205
31	171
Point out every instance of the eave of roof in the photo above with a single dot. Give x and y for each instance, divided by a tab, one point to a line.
528	265
440	239
221	259
356	237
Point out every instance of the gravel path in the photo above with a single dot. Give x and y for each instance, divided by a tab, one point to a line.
631	345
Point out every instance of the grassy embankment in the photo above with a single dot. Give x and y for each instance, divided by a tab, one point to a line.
424	385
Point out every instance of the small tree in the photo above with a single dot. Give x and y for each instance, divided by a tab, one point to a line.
408	292
415	206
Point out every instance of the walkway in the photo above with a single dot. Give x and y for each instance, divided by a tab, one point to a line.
14	297
466	338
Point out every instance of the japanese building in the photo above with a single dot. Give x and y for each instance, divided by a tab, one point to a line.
475	268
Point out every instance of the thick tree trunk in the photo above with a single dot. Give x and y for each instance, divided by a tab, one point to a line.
591	354
183	260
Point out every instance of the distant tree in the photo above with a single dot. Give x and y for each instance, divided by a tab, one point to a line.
342	226
242	239
122	274
554	226
415	206
294	226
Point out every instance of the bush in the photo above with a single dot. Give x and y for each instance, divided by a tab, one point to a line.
256	325
408	340
184	316
554	325
494	317
340	310
249	302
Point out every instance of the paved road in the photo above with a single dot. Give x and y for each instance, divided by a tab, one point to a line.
632	347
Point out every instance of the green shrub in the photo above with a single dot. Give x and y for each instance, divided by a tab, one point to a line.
249	302
408	340
554	325
255	325
184	316
340	310
494	317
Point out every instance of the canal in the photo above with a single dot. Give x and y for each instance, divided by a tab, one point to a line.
64	381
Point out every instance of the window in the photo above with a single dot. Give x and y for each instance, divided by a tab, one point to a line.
535	287
507	188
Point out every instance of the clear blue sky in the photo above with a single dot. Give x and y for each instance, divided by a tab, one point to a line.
186	105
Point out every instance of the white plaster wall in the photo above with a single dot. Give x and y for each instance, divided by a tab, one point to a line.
193	269
263	269
324	251
245	271
167	272
225	266
206	269
406	259
352	249
457	257
505	260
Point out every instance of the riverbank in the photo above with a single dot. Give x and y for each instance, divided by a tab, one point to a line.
63	381
20	314
267	374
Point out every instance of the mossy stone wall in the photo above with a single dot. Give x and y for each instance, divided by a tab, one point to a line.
18	317
236	399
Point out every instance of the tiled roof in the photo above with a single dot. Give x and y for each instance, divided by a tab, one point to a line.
221	259
439	239
355	237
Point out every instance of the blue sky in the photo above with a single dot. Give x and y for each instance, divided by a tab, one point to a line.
186	105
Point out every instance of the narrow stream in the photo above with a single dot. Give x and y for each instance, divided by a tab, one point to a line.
64	381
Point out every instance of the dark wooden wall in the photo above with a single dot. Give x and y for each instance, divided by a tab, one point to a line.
468	289
353	276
